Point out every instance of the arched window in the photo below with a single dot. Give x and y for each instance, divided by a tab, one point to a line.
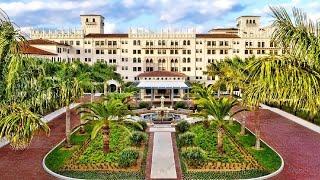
184	42
163	60
176	60
159	61
147	61
151	61
188	42
159	42
87	20
184	60
172	61
93	20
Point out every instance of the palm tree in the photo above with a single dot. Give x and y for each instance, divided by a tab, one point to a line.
18	125
72	83
231	72
102	114
220	110
199	91
292	78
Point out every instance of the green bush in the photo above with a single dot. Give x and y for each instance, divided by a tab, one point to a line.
144	105
137	138
143	124
186	139
128	157
181	105
194	156
183	126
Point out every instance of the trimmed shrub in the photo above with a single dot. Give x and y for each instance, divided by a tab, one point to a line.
128	157
186	139
181	105
143	124
194	156
137	138
144	105
182	126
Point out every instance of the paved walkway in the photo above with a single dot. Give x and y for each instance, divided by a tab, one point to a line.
163	164
27	164
298	145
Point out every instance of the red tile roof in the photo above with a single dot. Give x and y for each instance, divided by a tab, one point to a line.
161	74
107	36
217	36
44	42
27	49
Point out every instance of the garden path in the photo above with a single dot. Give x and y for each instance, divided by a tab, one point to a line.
163	163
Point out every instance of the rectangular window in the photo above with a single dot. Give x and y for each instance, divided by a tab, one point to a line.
77	51
77	43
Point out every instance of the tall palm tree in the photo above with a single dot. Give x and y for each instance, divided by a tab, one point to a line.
292	78
72	83
220	110
18	125
102	114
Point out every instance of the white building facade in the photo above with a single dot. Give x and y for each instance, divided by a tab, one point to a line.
141	51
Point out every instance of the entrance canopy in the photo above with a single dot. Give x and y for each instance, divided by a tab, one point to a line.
162	85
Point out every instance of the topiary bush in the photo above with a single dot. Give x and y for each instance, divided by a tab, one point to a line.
143	124
182	126
144	105
186	139
181	105
128	157
137	138
194	156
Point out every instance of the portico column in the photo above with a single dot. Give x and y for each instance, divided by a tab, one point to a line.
152	96
181	93
172	97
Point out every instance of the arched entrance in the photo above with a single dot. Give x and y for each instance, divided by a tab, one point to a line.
113	87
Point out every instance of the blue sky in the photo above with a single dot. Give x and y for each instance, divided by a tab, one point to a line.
120	15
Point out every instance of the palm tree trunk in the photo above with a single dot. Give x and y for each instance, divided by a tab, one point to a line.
82	130
243	128
220	132
91	98
257	128
105	88
257	145
105	133
68	126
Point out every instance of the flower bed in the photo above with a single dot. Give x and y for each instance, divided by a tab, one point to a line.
238	161
87	160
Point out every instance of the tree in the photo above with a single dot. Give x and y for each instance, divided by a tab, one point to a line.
71	83
18	125
231	72
220	110
102	114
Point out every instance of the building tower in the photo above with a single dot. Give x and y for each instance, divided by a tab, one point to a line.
92	24
248	24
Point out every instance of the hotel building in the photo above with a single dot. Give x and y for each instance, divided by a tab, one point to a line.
141	51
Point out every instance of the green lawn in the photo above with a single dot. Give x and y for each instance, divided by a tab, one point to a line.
92	154
266	156
205	138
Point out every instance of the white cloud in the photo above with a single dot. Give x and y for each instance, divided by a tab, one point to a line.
171	11
18	8
109	27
